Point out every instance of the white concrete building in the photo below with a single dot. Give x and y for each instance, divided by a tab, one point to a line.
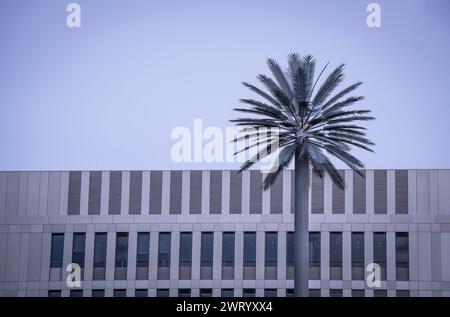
125	229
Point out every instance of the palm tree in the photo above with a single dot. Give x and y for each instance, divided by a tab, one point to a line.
309	125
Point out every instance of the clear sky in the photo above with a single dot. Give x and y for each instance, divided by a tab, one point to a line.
107	95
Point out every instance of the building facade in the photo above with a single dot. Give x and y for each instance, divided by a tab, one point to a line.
216	233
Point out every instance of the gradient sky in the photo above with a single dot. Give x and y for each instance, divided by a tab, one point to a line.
107	95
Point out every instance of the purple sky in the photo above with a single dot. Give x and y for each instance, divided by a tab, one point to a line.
108	95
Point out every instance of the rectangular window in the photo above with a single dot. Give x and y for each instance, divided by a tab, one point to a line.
98	293
358	293
184	292
206	256
338	197
227	292
276	196
57	250
401	191
185	255
195	192
54	293
205	292
115	192
290	255
402	256
135	192
255	192
380	191
249	255
380	293
335	255
95	187
176	179
215	192
164	255
100	249
228	255
271	255
162	292
235	193
248	292
121	249
270	292
143	249
76	293
335	292
78	248
314	293
155	192
73	202
379	252
314	255
317	194
120	293
402	293
359	193
143	292
357	255
290	292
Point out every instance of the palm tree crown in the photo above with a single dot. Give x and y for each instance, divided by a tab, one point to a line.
308	123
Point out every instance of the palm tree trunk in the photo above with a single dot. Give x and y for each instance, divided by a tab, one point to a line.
301	226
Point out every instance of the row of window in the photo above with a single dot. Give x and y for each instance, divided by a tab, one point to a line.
215	193
225	292
228	254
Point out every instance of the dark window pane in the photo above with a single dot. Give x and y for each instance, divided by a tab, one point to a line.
98	293
100	250
135	193
228	249
357	255
185	249
155	192
164	249
402	256
120	293
141	293
255	192
248	292
143	247
335	255
95	186
227	292
207	246
162	292
276	196
335	293
76	293
314	249
401	191
379	251
78	248
184	292
314	293
317	194
73	202
54	293
235	192
121	249
402	293
380	293
215	192
57	250
290	249
195	192
271	249
270	292
205	292
338	198
290	292
359	193
115	192
176	178
249	248
380	191
358	293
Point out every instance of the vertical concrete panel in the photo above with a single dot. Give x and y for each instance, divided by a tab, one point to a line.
54	189
12	193
125	200
413	256
266	202
33	193
3	184
132	252
153	264
110	255
390	253
239	255
196	252
436	256
281	254
89	259
368	249
412	191
23	188
423	192
260	249
346	256
175	254
3	254
445	257
444	190
43	192
434	192
287	192
84	194
104	200
35	257
67	255
217	256
12	257
325	255
424	256
63	194
45	257
23	262
327	194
